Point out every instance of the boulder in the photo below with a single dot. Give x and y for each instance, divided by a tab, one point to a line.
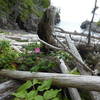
94	27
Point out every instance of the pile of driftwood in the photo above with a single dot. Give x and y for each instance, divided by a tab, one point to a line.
73	82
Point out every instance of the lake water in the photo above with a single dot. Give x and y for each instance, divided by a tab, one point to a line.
74	12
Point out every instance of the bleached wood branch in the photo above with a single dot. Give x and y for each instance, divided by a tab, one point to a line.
54	47
74	94
71	49
63	80
7	88
75	33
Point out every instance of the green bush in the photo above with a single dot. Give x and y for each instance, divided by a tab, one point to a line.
41	91
23	7
7	55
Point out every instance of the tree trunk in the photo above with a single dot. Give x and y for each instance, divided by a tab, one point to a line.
46	26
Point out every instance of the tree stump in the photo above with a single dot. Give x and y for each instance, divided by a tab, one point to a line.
46	27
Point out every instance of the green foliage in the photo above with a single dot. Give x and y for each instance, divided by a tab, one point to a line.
32	46
7	55
25	86
50	94
45	85
74	72
98	23
4	8
41	91
23	7
62	54
45	3
43	65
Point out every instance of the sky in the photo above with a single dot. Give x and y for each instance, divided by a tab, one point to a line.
76	11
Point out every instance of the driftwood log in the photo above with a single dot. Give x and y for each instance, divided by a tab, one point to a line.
46	26
7	88
94	95
74	94
60	30
62	80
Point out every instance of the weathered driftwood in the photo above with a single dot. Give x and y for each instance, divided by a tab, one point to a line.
6	95
71	49
7	88
74	94
46	27
62	80
75	33
94	95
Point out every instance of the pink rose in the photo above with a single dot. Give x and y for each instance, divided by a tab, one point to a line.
37	50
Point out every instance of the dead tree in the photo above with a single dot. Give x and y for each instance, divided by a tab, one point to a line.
89	35
46	26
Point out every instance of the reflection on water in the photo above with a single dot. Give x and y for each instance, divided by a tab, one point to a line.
74	12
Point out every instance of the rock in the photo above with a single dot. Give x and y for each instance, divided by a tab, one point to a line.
57	18
30	25
94	27
85	24
21	14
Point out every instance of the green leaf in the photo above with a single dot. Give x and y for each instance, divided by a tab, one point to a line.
56	98
74	72
21	94
50	94
32	94
45	85
38	97
35	81
25	86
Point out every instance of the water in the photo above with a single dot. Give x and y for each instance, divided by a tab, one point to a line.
74	12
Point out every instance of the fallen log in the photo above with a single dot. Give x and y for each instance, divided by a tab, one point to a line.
94	95
7	88
75	33
91	83
74	94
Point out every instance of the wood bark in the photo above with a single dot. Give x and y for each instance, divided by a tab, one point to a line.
75	33
46	27
89	35
62	80
94	95
74	94
7	88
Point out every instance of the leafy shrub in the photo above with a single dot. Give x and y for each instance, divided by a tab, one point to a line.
7	55
41	91
32	46
23	7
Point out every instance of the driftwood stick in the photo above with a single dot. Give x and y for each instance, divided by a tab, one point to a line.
71	49
94	95
74	94
62	80
74	33
16	49
51	46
